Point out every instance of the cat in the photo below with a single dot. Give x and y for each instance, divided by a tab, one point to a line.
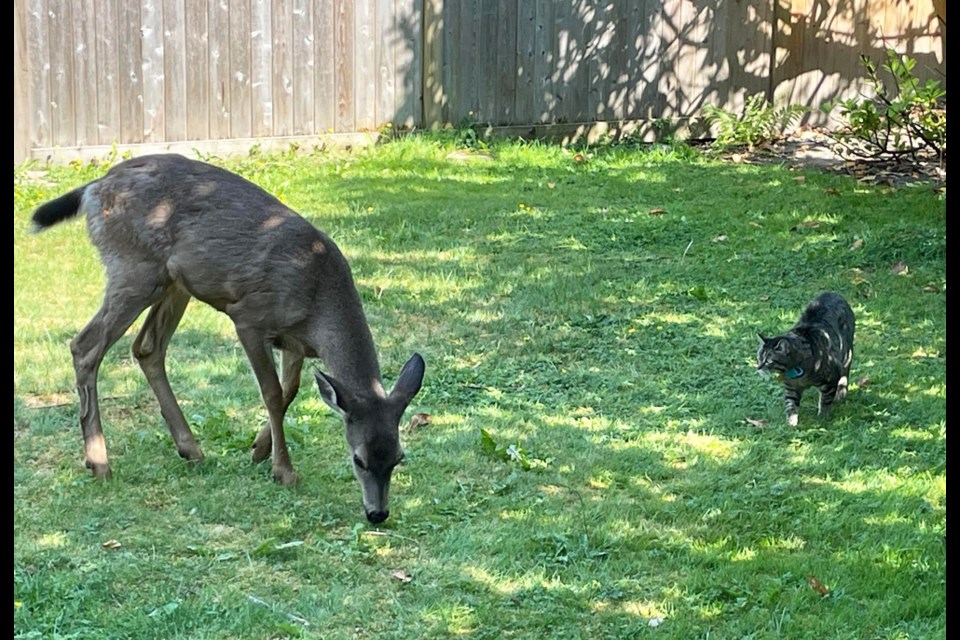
816	352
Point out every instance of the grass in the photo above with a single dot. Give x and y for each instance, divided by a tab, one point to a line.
595	316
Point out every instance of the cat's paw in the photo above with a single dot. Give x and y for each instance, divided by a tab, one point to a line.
793	419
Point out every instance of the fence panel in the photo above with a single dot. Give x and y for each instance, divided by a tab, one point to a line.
92	73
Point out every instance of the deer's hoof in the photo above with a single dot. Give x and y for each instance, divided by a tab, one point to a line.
261	450
286	477
192	455
100	470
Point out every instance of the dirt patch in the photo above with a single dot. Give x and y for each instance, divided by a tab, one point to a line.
811	149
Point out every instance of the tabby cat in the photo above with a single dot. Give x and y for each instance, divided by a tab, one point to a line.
816	352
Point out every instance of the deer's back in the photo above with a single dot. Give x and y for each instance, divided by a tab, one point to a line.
226	240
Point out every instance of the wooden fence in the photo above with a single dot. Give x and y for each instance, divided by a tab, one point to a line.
208	74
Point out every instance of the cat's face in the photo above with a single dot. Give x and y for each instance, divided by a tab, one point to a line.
776	356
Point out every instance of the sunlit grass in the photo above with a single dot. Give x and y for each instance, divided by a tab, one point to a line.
599	316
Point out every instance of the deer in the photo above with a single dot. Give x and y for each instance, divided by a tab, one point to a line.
169	229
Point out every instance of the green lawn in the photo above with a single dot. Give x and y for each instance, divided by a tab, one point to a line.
602	459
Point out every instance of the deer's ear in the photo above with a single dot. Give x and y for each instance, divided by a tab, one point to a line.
333	393
409	381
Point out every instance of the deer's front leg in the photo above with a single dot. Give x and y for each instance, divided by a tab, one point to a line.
261	360
291	364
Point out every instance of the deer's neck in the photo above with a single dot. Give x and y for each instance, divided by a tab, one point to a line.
348	353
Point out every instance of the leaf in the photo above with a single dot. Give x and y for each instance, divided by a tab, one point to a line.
164	610
930	288
806	224
720	238
856	244
655	622
759	424
418	420
818	586
900	268
699	292
579	158
111	544
800	179
402	575
863	382
657	212
832	191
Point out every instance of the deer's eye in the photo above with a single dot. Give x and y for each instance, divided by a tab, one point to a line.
357	461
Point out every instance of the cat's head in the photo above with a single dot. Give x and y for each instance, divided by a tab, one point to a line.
780	355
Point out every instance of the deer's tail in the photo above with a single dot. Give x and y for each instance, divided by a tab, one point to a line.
58	210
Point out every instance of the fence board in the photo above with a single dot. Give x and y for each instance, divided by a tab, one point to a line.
151	28
385	85
260	89
302	67
37	49
21	73
282	78
325	86
409	56
59	17
365	69
524	106
218	44
85	72
240	96
108	73
343	62
196	77
175	97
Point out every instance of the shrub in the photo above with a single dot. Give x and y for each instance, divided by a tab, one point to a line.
906	116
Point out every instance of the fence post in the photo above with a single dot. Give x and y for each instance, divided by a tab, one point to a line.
21	85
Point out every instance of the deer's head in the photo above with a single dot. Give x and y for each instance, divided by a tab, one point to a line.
373	431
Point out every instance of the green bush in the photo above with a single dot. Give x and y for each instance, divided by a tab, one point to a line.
904	117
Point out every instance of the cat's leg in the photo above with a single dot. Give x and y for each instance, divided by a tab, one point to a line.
828	393
791	398
845	377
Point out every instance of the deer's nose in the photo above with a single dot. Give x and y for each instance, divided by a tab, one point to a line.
376	517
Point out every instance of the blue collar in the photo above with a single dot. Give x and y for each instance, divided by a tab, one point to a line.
794	373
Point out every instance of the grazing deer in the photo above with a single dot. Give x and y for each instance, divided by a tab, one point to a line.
168	229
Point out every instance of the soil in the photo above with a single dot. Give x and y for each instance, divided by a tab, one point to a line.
811	149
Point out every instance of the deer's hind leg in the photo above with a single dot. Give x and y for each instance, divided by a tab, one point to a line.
150	350
127	294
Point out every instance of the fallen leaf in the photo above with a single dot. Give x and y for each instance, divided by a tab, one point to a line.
818	586
737	158
551	185
832	191
111	544
654	622
800	179
720	238
402	575
930	288
807	224
900	267
764	298
418	420
657	212
759	424
579	157
856	244
863	382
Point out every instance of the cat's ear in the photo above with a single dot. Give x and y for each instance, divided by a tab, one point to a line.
762	339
